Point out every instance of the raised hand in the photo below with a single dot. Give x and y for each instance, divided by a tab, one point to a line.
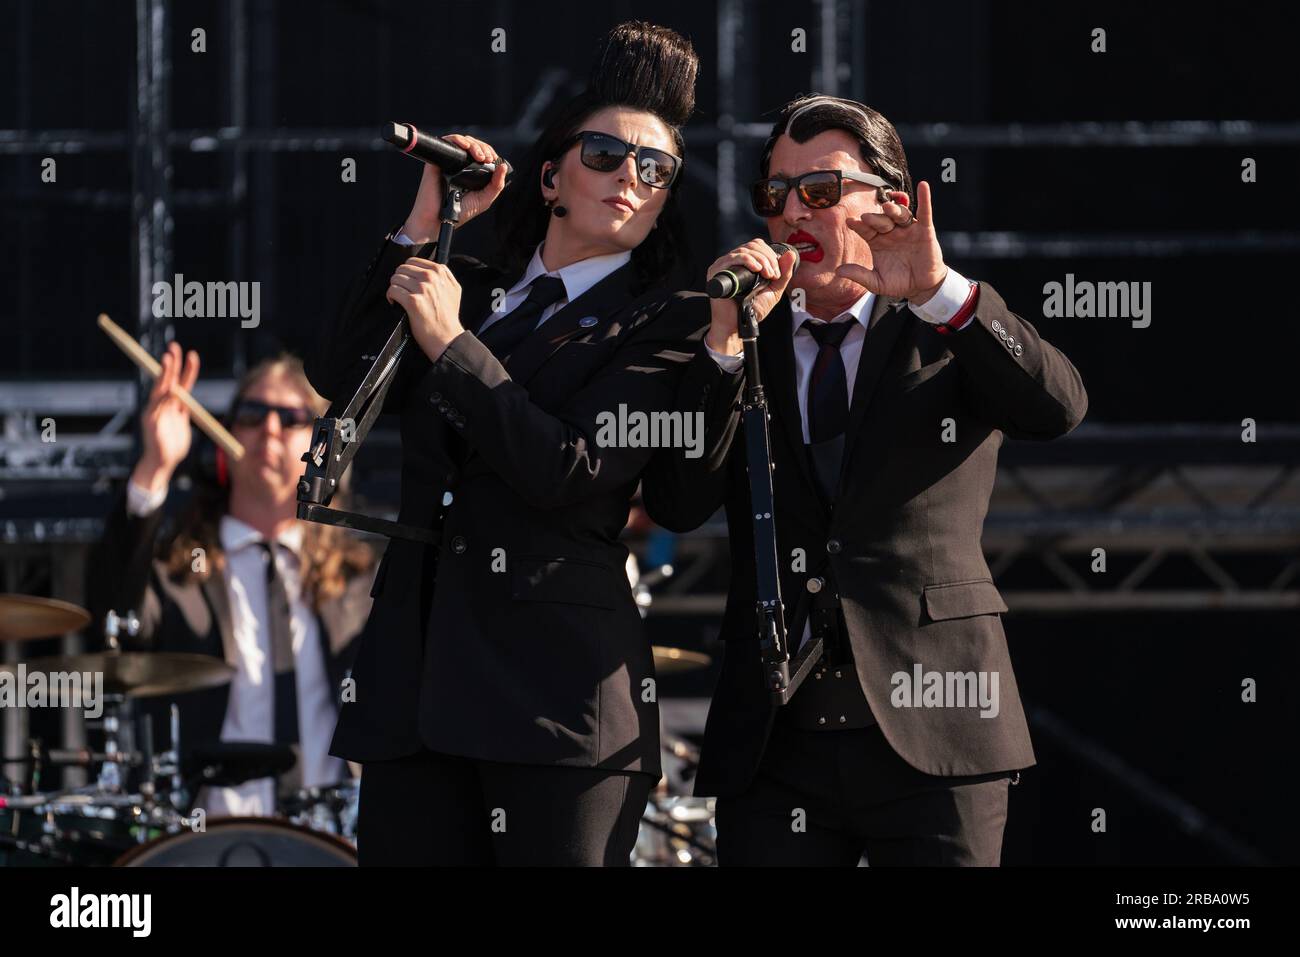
904	259
422	223
165	422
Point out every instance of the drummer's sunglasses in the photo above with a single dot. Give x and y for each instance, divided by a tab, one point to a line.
605	153
820	189
250	413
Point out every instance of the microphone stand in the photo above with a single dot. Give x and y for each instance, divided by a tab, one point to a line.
336	438
782	678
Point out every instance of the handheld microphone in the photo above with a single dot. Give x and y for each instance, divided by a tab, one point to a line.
452	160
737	282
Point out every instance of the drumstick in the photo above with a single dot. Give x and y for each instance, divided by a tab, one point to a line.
202	418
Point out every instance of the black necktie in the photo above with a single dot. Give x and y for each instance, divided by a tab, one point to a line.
504	335
828	402
278	616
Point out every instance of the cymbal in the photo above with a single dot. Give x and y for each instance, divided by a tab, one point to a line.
140	674
23	617
669	661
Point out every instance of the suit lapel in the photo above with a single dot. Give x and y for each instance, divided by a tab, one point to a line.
476	304
776	352
887	321
599	302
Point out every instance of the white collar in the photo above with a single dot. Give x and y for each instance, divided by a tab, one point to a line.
235	535
577	277
860	310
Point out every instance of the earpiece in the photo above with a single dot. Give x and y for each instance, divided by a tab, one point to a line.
548	180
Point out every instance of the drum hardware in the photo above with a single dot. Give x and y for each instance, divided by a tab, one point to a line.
676	832
138	793
331	809
133	814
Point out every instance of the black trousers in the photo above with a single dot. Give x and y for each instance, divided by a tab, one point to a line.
829	797
432	809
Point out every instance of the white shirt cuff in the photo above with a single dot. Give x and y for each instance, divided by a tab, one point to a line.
403	240
725	362
141	502
943	305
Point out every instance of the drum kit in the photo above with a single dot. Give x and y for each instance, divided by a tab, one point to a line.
138	812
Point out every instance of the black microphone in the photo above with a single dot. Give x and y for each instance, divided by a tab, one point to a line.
452	160
737	281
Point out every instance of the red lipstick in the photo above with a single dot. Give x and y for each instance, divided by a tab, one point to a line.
810	251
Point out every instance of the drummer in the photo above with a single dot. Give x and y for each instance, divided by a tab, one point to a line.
237	576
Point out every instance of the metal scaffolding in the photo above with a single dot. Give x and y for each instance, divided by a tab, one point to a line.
1149	493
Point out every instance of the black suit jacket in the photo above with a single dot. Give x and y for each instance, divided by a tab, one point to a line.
193	617
902	543
530	648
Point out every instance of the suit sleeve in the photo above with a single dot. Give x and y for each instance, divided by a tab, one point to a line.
119	573
681	493
1035	393
553	460
360	328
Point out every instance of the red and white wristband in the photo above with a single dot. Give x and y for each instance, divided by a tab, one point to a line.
963	315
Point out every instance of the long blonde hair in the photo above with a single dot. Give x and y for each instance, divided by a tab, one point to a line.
329	558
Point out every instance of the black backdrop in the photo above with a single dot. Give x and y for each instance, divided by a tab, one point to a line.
1221	337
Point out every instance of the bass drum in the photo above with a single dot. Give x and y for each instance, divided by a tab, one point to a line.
243	842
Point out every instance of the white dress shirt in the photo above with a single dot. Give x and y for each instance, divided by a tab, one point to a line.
249	712
940	308
577	278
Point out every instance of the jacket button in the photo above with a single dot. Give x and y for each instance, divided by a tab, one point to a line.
443	407
834	546
1019	349
997	326
435	397
458	544
446	499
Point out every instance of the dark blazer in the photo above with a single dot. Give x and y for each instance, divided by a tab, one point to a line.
902	543
530	648
193	617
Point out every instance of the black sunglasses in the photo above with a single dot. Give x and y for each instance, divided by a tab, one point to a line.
250	413
820	189
605	153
